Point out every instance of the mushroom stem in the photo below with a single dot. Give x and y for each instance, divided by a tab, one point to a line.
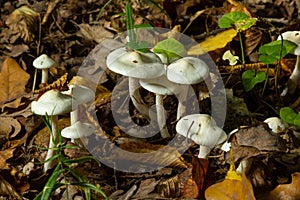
204	151
44	76
293	81
181	98
74	116
136	98
161	119
52	142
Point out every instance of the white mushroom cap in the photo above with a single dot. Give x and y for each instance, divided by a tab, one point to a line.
187	70
43	62
134	64
292	36
78	130
202	129
276	124
81	93
161	86
53	103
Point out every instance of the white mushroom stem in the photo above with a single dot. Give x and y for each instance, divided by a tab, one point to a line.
161	119
244	166
204	151
136	98
44	76
74	116
53	139
181	109
293	81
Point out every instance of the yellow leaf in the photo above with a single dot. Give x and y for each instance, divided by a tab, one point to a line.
213	43
12	80
234	186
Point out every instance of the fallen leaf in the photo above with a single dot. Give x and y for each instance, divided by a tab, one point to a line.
146	187
218	41
12	82
234	186
287	191
169	188
10	127
7	189
7	152
23	22
195	185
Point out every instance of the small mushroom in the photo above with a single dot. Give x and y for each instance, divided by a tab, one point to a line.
186	71
52	103
44	62
81	95
293	82
78	130
161	86
202	129
276	124
135	65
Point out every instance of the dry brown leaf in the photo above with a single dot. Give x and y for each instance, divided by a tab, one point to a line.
24	23
10	127
169	155
12	82
7	189
146	187
169	188
213	43
287	191
238	7
7	152
252	40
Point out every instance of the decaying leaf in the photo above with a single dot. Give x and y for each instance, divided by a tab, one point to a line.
7	152
12	82
146	188
168	156
60	84
169	188
7	189
10	127
213	43
287	191
193	179
234	186
24	23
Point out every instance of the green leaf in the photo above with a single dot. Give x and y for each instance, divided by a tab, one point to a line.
250	79
230	19
244	24
288	115
297	121
170	48
270	53
91	186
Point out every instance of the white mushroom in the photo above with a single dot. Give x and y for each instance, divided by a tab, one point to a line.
293	82
202	129
44	62
78	130
187	71
52	103
161	86
135	65
276	124
81	95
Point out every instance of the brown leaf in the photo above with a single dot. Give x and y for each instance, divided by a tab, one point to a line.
9	127
7	189
170	188
7	152
252	40
287	191
194	186
12	82
24	23
146	187
169	155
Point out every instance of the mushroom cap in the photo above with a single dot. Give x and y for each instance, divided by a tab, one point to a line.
292	36
134	64
276	124
161	86
202	129
53	103
43	62
81	94
78	130
187	70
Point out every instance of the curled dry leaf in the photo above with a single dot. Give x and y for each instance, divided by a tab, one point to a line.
10	127
287	191
7	189
13	80
169	156
23	22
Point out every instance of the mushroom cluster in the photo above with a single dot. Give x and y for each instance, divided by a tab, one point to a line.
54	103
158	73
